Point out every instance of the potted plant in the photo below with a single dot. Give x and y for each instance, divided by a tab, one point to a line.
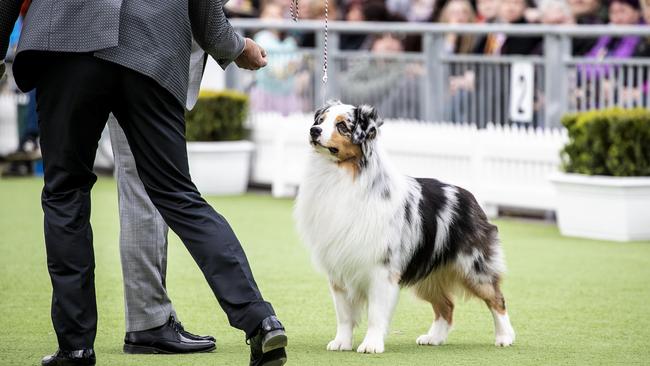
218	155
604	192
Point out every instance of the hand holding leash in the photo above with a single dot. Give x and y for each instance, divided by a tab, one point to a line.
253	57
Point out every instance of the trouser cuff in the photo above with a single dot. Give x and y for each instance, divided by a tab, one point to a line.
149	321
253	317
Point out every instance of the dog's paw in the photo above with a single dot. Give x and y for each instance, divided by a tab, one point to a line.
504	340
431	340
371	347
339	345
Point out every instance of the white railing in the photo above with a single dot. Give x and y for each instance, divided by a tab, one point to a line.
433	85
502	166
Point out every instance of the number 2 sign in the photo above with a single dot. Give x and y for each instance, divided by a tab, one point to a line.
522	87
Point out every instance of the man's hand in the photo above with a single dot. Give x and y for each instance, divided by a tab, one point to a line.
253	57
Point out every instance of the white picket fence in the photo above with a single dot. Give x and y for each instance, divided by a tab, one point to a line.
503	167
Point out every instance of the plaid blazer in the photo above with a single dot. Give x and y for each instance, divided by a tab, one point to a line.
153	37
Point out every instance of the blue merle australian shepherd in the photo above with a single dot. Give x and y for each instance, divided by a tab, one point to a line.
373	230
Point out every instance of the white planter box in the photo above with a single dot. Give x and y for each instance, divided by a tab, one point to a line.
599	207
220	168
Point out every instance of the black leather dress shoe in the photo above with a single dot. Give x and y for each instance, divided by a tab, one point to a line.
82	357
268	345
168	338
194	336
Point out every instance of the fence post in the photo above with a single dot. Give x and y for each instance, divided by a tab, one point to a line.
557	51
436	79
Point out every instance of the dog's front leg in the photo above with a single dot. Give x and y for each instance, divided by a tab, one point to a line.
382	298
346	318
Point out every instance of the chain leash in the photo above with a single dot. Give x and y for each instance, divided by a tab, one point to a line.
325	44
294	10
295	13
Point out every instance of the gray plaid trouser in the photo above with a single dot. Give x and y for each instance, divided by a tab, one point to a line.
143	243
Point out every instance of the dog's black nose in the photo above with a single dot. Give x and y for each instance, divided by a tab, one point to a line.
315	131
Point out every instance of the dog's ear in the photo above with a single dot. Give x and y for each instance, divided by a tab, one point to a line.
366	123
321	110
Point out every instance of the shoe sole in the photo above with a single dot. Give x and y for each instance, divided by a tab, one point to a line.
146	350
274	340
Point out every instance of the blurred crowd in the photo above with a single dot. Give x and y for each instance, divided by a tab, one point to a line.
284	85
551	12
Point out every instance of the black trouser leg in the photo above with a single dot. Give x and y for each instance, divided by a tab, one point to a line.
154	124
73	105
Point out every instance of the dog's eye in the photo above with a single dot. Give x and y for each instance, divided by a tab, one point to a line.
342	127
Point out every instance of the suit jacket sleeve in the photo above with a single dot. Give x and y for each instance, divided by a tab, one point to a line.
213	31
9	10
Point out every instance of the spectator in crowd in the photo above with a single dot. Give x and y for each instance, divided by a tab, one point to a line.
401	8
621	12
354	11
458	12
645	7
313	10
587	12
387	83
421	10
460	84
612	83
555	12
275	88
487	10
243	8
369	10
510	12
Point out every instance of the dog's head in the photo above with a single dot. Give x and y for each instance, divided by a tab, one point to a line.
343	132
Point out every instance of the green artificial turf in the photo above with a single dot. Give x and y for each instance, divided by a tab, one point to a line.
571	301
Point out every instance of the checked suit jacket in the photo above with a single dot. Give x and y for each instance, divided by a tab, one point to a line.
152	37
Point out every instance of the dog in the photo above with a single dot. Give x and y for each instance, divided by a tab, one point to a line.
373	230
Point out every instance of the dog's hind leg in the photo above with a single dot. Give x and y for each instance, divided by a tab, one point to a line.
347	314
438	293
382	298
491	294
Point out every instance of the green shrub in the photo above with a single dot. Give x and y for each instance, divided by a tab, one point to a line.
612	142
217	116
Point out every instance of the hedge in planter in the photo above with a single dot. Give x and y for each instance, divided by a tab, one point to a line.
614	142
218	116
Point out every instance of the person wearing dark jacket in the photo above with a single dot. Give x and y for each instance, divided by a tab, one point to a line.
587	12
510	12
130	58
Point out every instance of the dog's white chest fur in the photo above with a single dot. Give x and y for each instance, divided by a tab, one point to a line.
348	227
